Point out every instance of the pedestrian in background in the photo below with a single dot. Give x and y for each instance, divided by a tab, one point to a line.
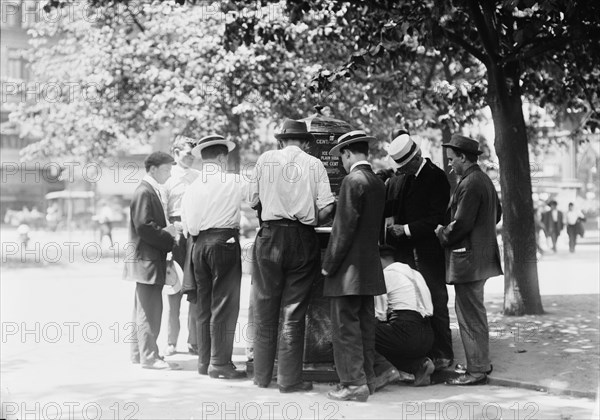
472	253
152	240
554	223
353	269
181	178
292	189
574	220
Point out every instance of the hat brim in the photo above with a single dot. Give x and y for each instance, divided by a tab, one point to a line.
198	148
299	136
335	150
460	149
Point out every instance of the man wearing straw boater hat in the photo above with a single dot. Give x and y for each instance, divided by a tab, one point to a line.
353	269
211	213
182	177
293	189
472	254
417	199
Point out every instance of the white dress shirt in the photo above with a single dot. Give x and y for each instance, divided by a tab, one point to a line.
175	187
406	290
213	201
290	184
572	216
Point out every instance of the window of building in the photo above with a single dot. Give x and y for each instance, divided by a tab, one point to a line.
16	67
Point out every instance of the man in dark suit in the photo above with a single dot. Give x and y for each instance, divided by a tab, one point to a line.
353	269
417	198
152	240
553	222
472	254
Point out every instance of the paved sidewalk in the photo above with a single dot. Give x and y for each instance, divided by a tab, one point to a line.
64	347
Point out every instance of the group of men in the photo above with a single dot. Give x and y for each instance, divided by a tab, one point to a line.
393	247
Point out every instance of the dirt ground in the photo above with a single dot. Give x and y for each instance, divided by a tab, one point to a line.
558	350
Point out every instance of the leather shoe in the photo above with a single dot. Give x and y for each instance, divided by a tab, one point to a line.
423	375
389	376
460	368
225	372
441	363
302	386
350	393
468	379
203	368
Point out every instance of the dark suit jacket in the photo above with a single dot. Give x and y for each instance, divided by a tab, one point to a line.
422	206
352	256
471	247
147	262
550	225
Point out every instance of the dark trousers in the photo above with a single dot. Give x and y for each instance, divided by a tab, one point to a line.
286	263
353	324
403	341
218	273
553	232
174	326
572	232
472	321
147	314
432	267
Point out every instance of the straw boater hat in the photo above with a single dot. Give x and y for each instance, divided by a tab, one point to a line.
349	138
296	130
403	149
463	144
212	140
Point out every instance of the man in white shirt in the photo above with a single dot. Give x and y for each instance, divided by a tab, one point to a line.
573	217
293	189
210	213
182	175
404	335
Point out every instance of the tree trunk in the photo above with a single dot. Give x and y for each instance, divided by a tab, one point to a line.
521	288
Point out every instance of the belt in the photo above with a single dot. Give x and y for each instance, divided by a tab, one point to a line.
174	219
406	314
285	223
229	231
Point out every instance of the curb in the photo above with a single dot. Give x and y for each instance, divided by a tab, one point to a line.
509	383
536	387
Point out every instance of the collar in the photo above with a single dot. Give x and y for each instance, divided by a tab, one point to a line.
360	162
421	167
470	170
150	180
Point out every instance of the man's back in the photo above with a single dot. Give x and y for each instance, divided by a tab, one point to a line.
352	256
290	184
